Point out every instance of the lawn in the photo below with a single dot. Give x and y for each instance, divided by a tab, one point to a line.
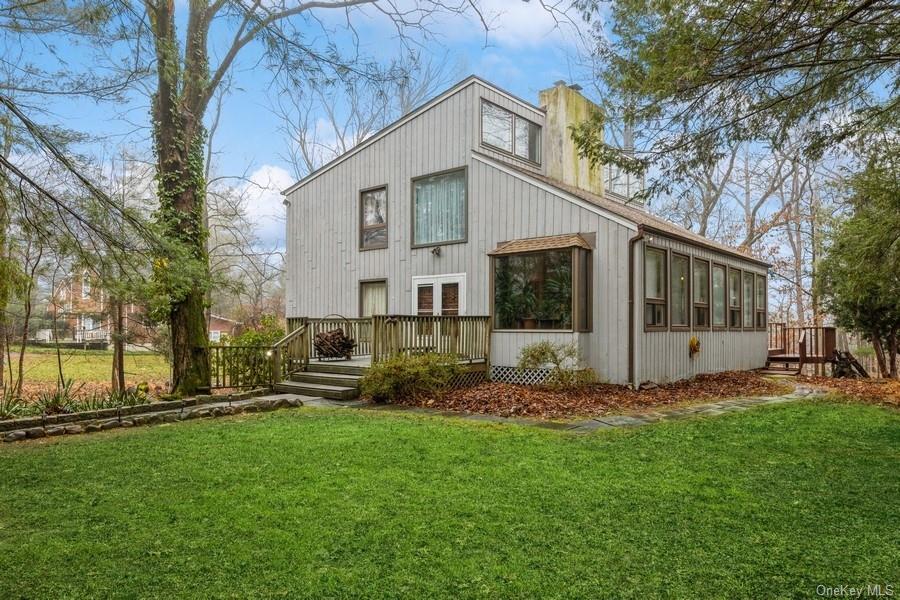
337	503
91	366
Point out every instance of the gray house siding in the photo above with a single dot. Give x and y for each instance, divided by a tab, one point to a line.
326	266
663	356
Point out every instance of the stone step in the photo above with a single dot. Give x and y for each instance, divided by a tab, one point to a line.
320	390
339	379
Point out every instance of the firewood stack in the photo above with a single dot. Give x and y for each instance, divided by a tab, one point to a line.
333	344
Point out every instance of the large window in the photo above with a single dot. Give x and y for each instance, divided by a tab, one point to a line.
509	132
701	293
748	300
373	219
680	288
719	295
439	208
734	299
762	296
654	288
372	298
549	289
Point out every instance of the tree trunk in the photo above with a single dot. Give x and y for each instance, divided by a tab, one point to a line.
892	351
118	340
883	370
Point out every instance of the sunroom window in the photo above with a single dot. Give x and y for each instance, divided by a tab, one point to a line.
719	296
680	286
748	300
734	299
439	208
700	290
761	301
543	289
654	288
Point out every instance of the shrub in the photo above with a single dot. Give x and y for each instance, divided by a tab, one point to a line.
563	360
266	333
405	376
11	405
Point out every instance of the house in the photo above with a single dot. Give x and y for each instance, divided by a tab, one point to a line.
222	327
477	203
84	313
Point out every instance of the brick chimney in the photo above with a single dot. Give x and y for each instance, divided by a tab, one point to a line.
566	106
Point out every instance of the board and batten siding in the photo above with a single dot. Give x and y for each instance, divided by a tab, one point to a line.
663	356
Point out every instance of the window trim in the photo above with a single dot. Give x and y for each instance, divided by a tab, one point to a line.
515	117
688	306
665	299
765	309
412	208
714	327
694	303
362	218
740	308
574	252
360	293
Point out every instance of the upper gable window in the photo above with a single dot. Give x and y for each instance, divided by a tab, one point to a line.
509	132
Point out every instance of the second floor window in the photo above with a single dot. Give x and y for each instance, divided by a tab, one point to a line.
509	132
85	286
373	224
439	208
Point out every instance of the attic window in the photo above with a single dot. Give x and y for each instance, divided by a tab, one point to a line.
507	131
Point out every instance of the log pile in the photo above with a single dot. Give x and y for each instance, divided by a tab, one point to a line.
334	344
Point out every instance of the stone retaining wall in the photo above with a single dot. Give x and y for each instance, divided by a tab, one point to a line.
142	414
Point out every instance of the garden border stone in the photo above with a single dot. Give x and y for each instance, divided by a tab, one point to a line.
169	411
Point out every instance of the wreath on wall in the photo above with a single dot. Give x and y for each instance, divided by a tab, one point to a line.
694	346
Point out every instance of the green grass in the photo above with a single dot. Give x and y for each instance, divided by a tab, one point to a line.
90	366
317	503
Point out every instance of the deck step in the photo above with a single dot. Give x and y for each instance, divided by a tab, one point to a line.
319	390
339	379
341	367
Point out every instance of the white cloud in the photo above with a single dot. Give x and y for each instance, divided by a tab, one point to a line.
264	206
518	24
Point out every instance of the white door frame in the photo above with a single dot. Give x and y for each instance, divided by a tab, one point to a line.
436	281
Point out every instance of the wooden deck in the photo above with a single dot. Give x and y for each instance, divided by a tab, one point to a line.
791	348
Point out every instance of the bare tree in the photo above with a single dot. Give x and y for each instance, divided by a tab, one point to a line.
321	121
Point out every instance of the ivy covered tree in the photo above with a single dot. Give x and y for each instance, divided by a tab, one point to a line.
860	272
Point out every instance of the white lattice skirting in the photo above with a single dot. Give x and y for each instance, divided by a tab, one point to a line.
519	376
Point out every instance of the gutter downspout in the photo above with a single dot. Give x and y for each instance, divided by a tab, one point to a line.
631	245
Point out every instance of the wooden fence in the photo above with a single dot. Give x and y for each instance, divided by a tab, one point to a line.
239	366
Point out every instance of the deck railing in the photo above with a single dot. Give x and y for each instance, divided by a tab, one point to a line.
812	344
466	337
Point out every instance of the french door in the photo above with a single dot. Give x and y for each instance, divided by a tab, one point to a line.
439	295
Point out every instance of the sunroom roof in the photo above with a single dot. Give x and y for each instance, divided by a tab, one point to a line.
536	244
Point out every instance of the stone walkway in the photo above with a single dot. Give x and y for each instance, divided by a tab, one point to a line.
711	409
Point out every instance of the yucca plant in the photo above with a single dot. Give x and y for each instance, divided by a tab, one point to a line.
60	401
96	401
11	404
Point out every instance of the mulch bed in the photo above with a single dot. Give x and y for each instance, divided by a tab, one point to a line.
884	392
30	390
508	400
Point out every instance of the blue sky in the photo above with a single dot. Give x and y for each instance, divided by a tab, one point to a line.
524	52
